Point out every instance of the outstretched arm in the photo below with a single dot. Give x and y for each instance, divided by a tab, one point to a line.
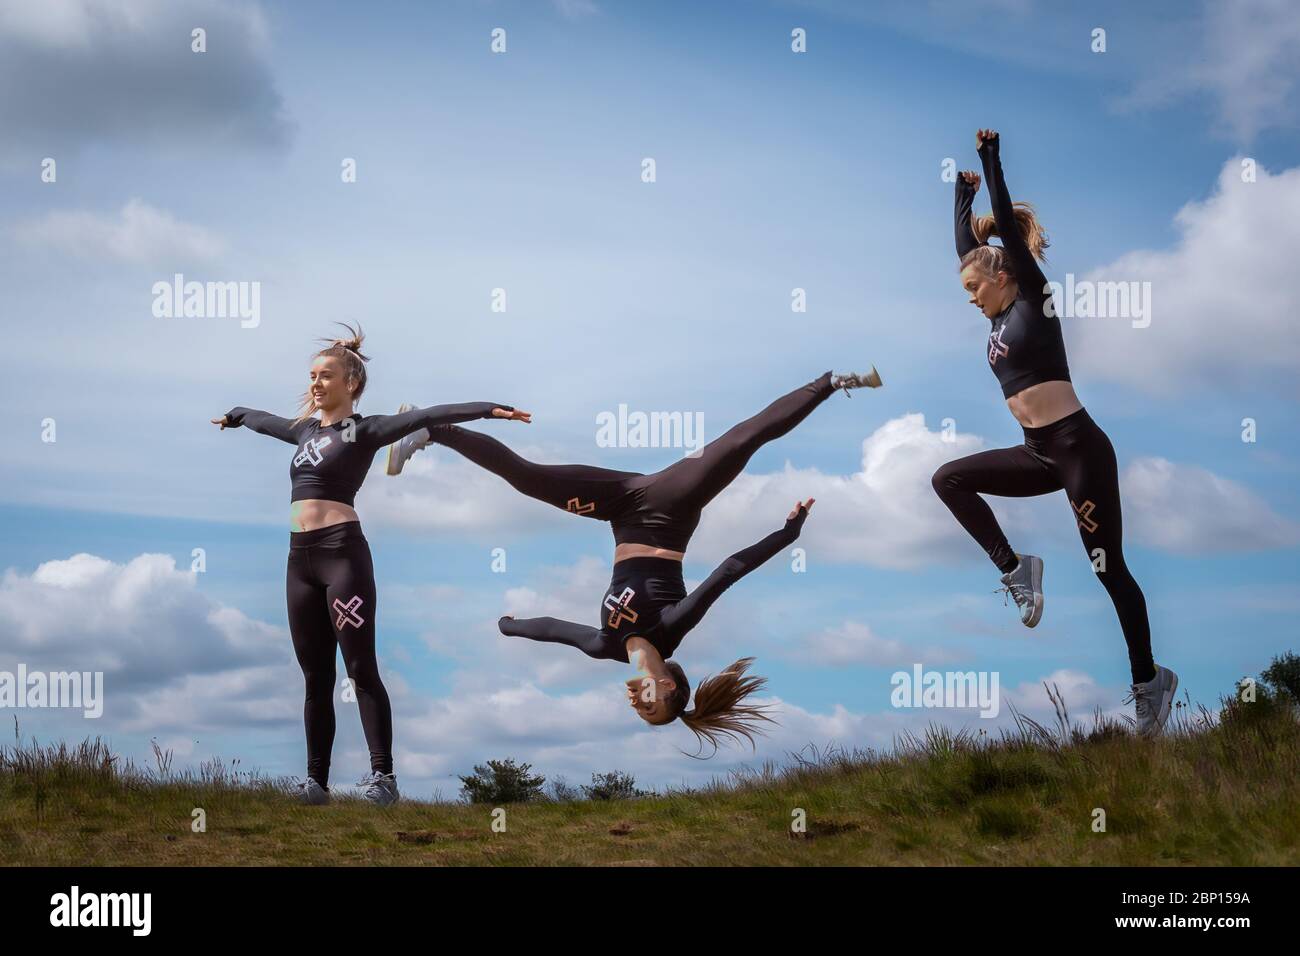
552	630
1031	279
264	423
968	184
386	429
690	610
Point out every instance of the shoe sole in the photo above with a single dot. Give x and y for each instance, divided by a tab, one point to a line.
394	466
1166	703
1036	583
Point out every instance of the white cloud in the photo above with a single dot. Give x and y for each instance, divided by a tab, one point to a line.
1186	509
174	661
1244	57
885	515
140	233
1223	299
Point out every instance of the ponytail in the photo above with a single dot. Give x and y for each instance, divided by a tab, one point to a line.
1031	230
719	709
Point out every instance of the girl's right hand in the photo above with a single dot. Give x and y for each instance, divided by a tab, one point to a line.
806	506
514	416
983	136
222	421
971	178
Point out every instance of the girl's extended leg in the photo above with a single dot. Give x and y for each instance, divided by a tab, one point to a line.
581	489
690	484
1006	472
316	648
552	630
1091	478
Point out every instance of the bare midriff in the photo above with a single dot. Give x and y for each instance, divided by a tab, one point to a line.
311	514
1044	403
624	551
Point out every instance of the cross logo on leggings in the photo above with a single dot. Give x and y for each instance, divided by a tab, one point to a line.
1084	512
348	613
618	608
310	454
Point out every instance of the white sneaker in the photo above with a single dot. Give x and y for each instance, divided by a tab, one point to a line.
1152	701
312	793
379	788
400	451
1024	583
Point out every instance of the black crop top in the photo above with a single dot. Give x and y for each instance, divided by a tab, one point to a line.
1025	342
331	462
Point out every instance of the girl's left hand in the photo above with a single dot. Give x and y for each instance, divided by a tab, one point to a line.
806	505
515	416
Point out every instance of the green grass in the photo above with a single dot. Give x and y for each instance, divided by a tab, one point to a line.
1213	790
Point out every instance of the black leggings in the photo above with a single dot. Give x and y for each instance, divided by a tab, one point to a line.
1073	454
661	509
330	589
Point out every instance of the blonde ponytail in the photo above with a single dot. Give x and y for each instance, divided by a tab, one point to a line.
1031	230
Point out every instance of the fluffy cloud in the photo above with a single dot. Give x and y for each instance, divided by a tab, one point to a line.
885	515
1185	509
1244	57
140	233
1223	300
77	72
174	661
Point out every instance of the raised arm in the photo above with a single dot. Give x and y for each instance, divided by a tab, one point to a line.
688	612
264	423
965	197
386	429
1033	284
552	630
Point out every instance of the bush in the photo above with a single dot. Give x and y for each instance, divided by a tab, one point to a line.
501	781
1283	676
615	785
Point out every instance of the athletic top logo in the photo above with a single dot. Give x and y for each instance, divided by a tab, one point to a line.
618	608
997	348
310	453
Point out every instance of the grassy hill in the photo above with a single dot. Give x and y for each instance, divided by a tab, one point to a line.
1217	789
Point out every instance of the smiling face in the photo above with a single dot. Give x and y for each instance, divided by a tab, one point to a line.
649	698
330	389
991	294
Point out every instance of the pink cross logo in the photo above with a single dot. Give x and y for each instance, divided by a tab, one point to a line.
618	608
348	613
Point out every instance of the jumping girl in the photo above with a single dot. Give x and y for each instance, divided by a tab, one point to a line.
1063	448
330	584
646	611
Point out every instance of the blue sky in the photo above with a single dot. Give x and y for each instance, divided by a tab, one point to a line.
521	171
